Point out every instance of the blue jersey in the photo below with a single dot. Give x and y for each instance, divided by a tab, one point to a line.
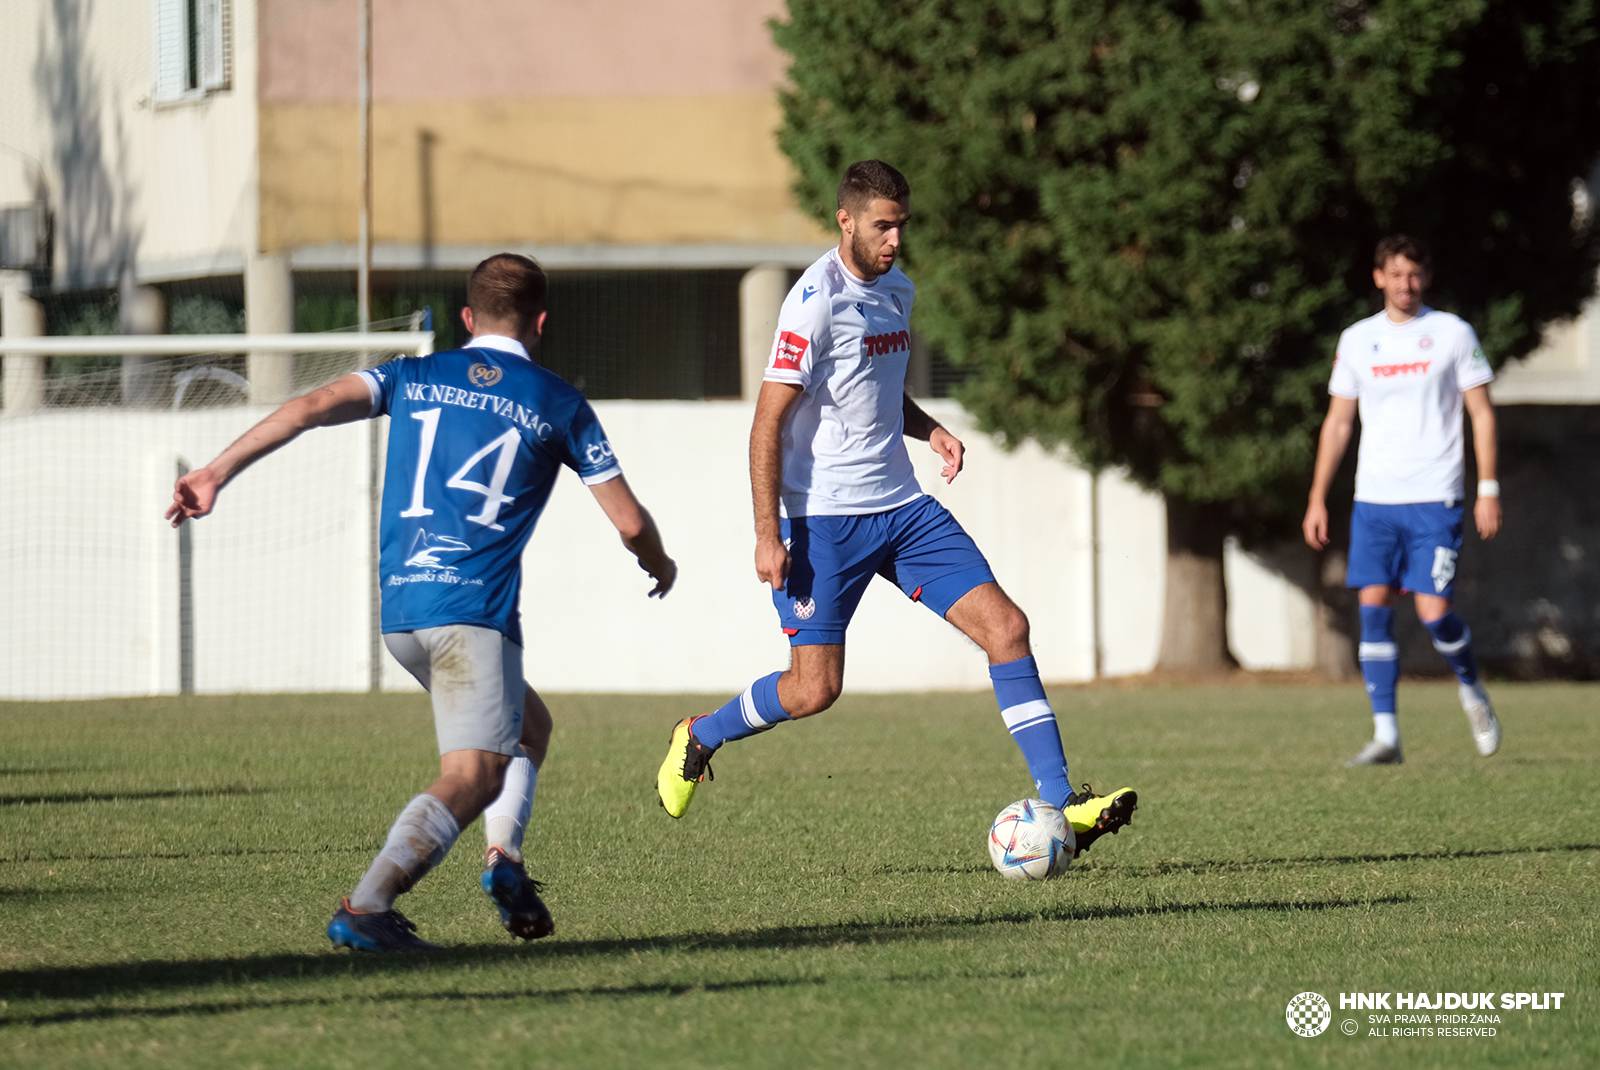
477	437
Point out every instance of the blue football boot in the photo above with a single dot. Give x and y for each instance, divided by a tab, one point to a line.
386	931
516	894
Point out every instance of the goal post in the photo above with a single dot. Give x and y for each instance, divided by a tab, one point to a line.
272	593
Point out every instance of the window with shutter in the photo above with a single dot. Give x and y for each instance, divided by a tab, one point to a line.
193	48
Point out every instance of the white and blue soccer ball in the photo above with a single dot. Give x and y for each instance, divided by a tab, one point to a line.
1031	840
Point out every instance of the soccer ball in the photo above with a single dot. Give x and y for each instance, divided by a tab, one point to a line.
1031	840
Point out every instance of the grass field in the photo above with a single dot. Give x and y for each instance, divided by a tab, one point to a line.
169	866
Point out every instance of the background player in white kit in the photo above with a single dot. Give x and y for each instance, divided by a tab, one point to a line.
837	503
1408	371
477	437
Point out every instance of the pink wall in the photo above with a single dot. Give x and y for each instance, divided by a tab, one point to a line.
452	49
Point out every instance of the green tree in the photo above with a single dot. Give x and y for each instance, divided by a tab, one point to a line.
1140	225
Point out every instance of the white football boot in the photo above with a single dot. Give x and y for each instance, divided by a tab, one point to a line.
1480	715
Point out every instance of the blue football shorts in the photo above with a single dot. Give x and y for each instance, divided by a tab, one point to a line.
919	547
1413	547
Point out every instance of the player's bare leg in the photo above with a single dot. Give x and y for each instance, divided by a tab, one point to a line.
988	616
811	684
418	840
814	681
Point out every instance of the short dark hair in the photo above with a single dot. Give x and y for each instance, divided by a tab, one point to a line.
507	287
867	179
1402	245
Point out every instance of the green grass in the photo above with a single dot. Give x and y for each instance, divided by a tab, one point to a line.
169	865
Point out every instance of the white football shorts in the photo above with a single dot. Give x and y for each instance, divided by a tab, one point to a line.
474	676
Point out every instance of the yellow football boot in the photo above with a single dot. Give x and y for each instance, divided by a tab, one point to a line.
687	763
1092	816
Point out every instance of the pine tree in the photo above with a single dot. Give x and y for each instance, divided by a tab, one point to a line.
1140	225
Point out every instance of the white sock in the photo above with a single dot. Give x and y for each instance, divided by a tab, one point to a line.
506	820
418	840
1386	729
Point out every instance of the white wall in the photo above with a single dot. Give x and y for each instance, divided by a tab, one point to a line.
174	184
282	574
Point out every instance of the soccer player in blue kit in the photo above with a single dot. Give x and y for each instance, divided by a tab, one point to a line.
837	503
477	437
1408	371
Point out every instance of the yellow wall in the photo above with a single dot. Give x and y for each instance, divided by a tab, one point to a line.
544	171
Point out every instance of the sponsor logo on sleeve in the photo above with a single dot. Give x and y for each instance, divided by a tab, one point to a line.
807	294
599	452
790	348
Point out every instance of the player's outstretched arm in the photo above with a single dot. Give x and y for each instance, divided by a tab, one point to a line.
340	402
1486	512
1337	427
638	531
919	425
766	475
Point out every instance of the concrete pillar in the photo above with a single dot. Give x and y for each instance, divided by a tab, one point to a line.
142	310
761	294
21	317
269	309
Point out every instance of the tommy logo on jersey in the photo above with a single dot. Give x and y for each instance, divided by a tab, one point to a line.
483	375
791	347
1415	367
880	345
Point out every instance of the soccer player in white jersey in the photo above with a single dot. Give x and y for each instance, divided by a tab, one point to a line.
1408	371
837	503
477	437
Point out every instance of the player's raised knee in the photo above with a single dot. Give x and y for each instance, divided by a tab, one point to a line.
814	695
1013	629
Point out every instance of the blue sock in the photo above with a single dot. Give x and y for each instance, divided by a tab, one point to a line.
1452	638
755	710
1032	723
1380	665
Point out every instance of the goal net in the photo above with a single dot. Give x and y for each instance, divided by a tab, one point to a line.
271	593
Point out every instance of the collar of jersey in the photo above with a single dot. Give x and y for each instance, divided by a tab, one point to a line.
500	343
850	275
1422	313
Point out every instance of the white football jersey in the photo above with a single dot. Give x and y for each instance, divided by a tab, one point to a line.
1407	379
846	343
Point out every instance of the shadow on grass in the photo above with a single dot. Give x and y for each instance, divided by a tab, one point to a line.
77	982
35	770
542	995
1156	869
29	798
1240	865
196	855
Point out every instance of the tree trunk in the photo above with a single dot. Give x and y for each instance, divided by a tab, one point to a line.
1194	624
